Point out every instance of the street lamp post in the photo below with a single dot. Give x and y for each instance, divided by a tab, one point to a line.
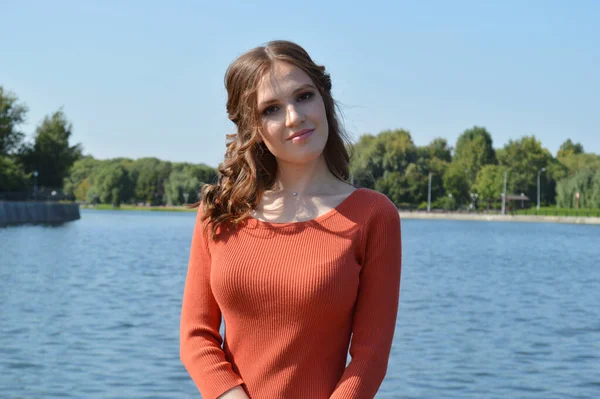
538	187
35	175
429	195
504	193
474	197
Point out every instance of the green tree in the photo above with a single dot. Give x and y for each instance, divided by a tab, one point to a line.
456	183
150	175
439	149
51	155
366	163
81	192
577	162
434	158
416	182
12	114
12	177
489	184
474	149
111	184
389	151
394	185
204	173
180	184
79	173
524	158
584	182
383	162
569	148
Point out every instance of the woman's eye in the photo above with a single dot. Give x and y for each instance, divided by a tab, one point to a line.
270	110
305	96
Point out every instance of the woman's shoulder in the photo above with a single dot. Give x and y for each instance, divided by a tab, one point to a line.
369	207
376	200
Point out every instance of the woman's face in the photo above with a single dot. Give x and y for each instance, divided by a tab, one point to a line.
292	114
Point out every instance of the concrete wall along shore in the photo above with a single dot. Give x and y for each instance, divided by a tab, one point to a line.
25	212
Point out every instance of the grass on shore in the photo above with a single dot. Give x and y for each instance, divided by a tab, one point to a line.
553	211
108	207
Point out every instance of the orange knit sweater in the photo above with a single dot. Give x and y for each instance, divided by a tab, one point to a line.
291	295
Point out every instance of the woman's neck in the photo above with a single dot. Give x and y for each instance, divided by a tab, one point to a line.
311	178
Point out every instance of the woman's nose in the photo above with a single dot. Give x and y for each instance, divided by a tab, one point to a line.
294	116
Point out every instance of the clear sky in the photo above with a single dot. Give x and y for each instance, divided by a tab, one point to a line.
145	78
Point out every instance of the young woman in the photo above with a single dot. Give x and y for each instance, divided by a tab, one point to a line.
295	259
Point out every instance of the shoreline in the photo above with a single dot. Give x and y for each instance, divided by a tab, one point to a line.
16	213
407	215
500	218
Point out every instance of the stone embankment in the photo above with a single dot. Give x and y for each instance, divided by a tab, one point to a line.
29	212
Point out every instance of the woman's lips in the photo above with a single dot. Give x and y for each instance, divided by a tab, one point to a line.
302	135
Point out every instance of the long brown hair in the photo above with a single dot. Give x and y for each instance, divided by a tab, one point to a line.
249	168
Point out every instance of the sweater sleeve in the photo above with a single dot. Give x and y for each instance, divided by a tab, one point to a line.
376	305
200	342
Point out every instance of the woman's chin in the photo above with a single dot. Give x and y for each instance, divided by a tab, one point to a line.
302	157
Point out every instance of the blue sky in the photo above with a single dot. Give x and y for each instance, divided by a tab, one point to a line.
145	78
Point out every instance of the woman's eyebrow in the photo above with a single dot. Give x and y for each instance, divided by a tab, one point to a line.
296	90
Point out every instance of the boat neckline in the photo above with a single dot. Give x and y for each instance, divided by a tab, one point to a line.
315	220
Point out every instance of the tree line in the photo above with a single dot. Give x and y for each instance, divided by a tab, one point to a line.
472	173
469	175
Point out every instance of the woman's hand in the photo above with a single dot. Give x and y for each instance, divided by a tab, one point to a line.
235	393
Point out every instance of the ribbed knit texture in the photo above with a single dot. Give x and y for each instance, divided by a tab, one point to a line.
291	296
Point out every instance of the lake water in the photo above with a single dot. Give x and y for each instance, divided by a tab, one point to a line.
90	309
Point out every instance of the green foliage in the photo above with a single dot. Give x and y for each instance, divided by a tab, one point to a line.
113	181
436	166
439	149
12	177
394	186
554	211
524	158
389	151
77	182
474	149
150	175
389	162
392	164
578	162
182	184
123	180
569	148
456	182
584	182
204	173
12	114
51	155
111	184
489	184
399	150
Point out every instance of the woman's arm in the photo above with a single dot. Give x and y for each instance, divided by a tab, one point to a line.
376	305
235	393
200	341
